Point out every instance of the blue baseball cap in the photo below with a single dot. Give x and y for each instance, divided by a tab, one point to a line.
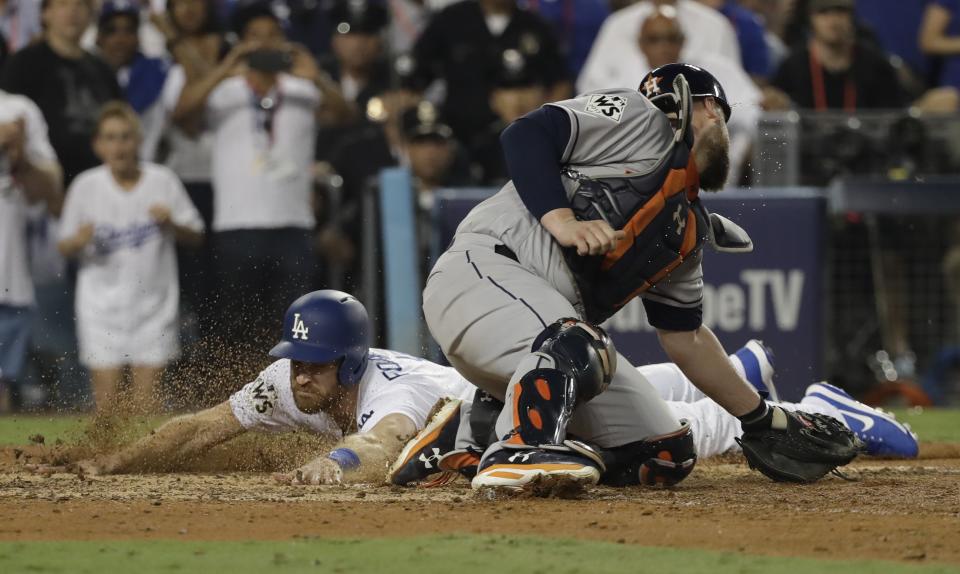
112	8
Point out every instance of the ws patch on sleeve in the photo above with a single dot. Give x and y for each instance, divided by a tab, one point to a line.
606	106
263	396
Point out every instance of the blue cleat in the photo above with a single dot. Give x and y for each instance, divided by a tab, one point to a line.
879	431
757	362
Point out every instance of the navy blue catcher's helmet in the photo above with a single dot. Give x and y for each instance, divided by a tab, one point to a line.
327	326
659	82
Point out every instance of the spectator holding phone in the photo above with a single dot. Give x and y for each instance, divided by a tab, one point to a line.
262	103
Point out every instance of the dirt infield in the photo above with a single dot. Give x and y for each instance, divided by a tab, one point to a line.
894	510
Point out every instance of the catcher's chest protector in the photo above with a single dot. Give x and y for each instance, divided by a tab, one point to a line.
664	222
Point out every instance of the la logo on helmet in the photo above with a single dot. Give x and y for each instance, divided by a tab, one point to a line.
299	330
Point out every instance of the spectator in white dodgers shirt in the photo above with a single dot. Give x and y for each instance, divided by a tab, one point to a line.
29	174
262	103
121	221
615	57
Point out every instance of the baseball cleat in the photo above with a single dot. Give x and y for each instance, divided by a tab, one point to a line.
421	456
757	362
879	431
534	469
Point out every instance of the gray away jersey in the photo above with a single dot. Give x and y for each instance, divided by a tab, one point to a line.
613	133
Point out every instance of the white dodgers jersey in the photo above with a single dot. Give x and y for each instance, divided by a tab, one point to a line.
394	383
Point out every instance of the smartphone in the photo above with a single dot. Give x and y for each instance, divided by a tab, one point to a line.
270	60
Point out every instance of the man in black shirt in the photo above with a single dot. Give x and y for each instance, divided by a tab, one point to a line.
68	83
463	45
836	72
428	147
520	87
413	135
833	71
358	64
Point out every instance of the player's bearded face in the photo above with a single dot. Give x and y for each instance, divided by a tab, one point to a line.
712	151
315	386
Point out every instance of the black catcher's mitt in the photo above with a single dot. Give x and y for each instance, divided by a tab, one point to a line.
811	446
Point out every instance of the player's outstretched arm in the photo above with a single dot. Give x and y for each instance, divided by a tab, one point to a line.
361	457
170	446
702	359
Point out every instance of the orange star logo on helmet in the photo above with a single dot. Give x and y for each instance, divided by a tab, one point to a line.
652	86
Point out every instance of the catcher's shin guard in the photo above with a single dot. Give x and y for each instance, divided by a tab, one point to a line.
542	405
657	461
571	363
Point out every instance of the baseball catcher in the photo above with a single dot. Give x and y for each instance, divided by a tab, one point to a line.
603	206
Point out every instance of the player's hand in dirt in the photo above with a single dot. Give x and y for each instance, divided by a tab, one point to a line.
589	237
320	471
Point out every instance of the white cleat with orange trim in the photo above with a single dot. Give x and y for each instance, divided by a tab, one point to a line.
542	470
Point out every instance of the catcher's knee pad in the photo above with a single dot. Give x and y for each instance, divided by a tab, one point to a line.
659	461
582	351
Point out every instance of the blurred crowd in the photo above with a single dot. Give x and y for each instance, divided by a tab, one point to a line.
173	173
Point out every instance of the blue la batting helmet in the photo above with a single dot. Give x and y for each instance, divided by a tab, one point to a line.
659	82
327	326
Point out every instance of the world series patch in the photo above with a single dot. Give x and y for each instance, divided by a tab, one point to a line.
264	397
606	106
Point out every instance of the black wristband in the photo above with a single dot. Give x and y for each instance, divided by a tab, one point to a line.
759	418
